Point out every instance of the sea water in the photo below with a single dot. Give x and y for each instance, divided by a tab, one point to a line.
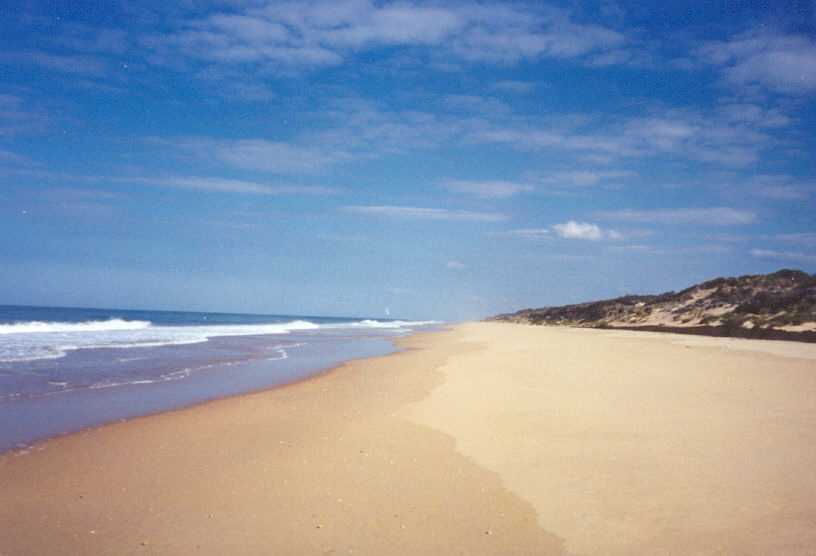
63	369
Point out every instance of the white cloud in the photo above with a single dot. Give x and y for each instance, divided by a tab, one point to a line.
716	216
487	189
584	230
421	213
784	255
784	63
456	265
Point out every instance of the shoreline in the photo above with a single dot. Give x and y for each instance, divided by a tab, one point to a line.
313	375
88	408
483	438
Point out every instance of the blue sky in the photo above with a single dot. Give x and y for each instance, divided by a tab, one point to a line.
443	160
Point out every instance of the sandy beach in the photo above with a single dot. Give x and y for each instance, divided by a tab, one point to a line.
484	439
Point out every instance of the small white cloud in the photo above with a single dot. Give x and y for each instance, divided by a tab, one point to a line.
456	265
487	189
584	230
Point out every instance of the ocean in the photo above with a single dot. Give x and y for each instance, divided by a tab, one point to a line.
65	369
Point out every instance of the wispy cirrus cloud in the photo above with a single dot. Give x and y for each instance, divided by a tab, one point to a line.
513	86
781	187
583	178
85	38
423	213
643	249
286	34
76	202
17	117
349	129
8	157
800	238
215	184
784	255
527	233
714	216
277	157
487	189
223	185
693	135
753	114
70	64
781	62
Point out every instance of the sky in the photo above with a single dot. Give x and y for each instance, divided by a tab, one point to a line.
445	160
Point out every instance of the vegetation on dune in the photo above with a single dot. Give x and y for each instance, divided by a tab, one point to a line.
733	306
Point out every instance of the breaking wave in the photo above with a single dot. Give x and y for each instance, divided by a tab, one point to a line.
32	340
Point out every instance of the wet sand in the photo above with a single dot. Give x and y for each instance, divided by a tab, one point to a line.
486	439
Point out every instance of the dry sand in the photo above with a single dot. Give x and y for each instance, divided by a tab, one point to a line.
487	439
